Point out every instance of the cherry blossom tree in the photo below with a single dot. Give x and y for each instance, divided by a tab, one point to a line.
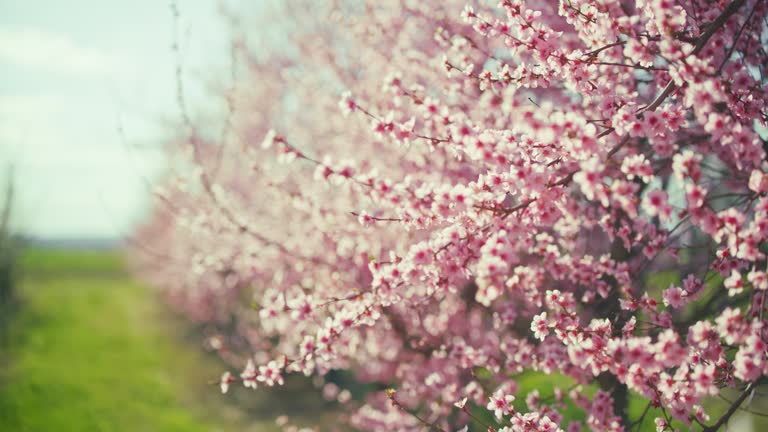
443	198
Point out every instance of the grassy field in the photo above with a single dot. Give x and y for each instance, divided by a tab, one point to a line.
88	349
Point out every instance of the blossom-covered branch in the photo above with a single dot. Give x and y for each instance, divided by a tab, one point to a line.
442	197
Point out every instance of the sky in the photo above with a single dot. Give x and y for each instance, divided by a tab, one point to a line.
87	90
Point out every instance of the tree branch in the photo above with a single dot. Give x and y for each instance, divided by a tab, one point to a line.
702	40
734	407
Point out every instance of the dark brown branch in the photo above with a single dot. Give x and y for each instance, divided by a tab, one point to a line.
732	410
701	41
736	39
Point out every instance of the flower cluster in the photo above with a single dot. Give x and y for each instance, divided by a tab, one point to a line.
443	198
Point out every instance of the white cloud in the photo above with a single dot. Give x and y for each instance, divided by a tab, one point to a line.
55	53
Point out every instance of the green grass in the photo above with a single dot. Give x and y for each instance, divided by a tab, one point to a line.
49	262
91	350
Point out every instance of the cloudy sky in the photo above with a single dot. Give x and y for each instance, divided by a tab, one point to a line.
73	74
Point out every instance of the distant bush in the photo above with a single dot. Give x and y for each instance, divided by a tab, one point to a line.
7	253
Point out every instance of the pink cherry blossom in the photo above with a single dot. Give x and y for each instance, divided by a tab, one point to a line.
539	326
248	376
270	374
656	204
501	404
440	197
226	380
674	297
